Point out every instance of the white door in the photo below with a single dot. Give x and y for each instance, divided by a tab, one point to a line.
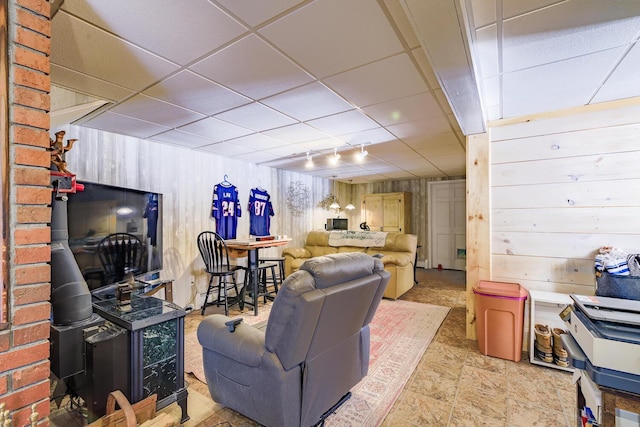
448	225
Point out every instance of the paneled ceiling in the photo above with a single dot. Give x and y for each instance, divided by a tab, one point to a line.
275	82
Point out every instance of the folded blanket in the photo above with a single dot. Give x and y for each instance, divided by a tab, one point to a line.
364	239
612	260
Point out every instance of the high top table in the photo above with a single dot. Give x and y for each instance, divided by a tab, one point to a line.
252	247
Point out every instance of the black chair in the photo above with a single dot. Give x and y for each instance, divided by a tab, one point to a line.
215	255
120	254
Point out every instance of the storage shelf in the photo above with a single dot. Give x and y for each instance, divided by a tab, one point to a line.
545	308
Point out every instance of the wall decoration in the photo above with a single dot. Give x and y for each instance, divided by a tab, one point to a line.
297	198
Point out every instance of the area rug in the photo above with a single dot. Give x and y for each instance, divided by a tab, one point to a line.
401	331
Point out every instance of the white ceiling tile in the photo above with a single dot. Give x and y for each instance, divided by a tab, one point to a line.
257	157
178	33
483	12
296	133
511	8
331	36
406	109
400	18
152	110
486	49
216	130
83	83
443	140
253	68
421	128
370	84
257	141
344	123
307	102
255	12
124	125
176	137
121	63
610	92
225	149
627	69
196	93
426	68
368	137
256	116
322	145
287	150
556	86
567	30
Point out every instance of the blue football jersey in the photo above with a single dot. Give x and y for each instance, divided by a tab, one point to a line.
260	212
226	210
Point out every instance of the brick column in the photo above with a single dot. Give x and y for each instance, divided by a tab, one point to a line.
24	347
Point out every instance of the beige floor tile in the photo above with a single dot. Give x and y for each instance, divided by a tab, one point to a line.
416	409
468	416
530	414
453	385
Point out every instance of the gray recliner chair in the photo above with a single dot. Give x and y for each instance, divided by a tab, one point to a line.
314	350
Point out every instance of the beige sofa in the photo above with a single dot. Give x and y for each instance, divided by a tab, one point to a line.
399	254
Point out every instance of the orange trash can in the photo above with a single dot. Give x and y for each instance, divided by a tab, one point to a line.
500	318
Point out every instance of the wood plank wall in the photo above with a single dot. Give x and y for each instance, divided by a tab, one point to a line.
562	186
186	179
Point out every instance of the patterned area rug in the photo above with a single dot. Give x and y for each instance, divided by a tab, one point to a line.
401	331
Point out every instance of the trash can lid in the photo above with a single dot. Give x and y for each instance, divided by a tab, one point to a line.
500	289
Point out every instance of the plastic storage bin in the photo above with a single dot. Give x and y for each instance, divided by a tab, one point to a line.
500	318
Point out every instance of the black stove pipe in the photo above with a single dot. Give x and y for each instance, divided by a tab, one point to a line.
70	296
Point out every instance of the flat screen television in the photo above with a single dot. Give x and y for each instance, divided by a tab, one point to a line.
101	210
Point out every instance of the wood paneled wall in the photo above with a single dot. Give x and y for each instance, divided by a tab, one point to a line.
186	179
561	187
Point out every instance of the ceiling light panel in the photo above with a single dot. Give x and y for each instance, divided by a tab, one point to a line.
196	93
333	36
253	68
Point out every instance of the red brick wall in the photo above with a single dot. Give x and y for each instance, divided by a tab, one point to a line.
24	347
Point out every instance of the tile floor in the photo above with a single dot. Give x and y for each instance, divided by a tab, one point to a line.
453	385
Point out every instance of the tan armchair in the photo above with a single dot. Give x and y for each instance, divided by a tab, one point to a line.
314	350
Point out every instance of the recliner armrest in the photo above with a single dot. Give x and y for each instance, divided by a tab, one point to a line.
245	345
296	252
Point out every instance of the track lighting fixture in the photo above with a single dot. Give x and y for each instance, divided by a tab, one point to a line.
309	163
334	159
361	154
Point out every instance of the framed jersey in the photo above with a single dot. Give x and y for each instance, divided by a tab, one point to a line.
260	212
225	209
